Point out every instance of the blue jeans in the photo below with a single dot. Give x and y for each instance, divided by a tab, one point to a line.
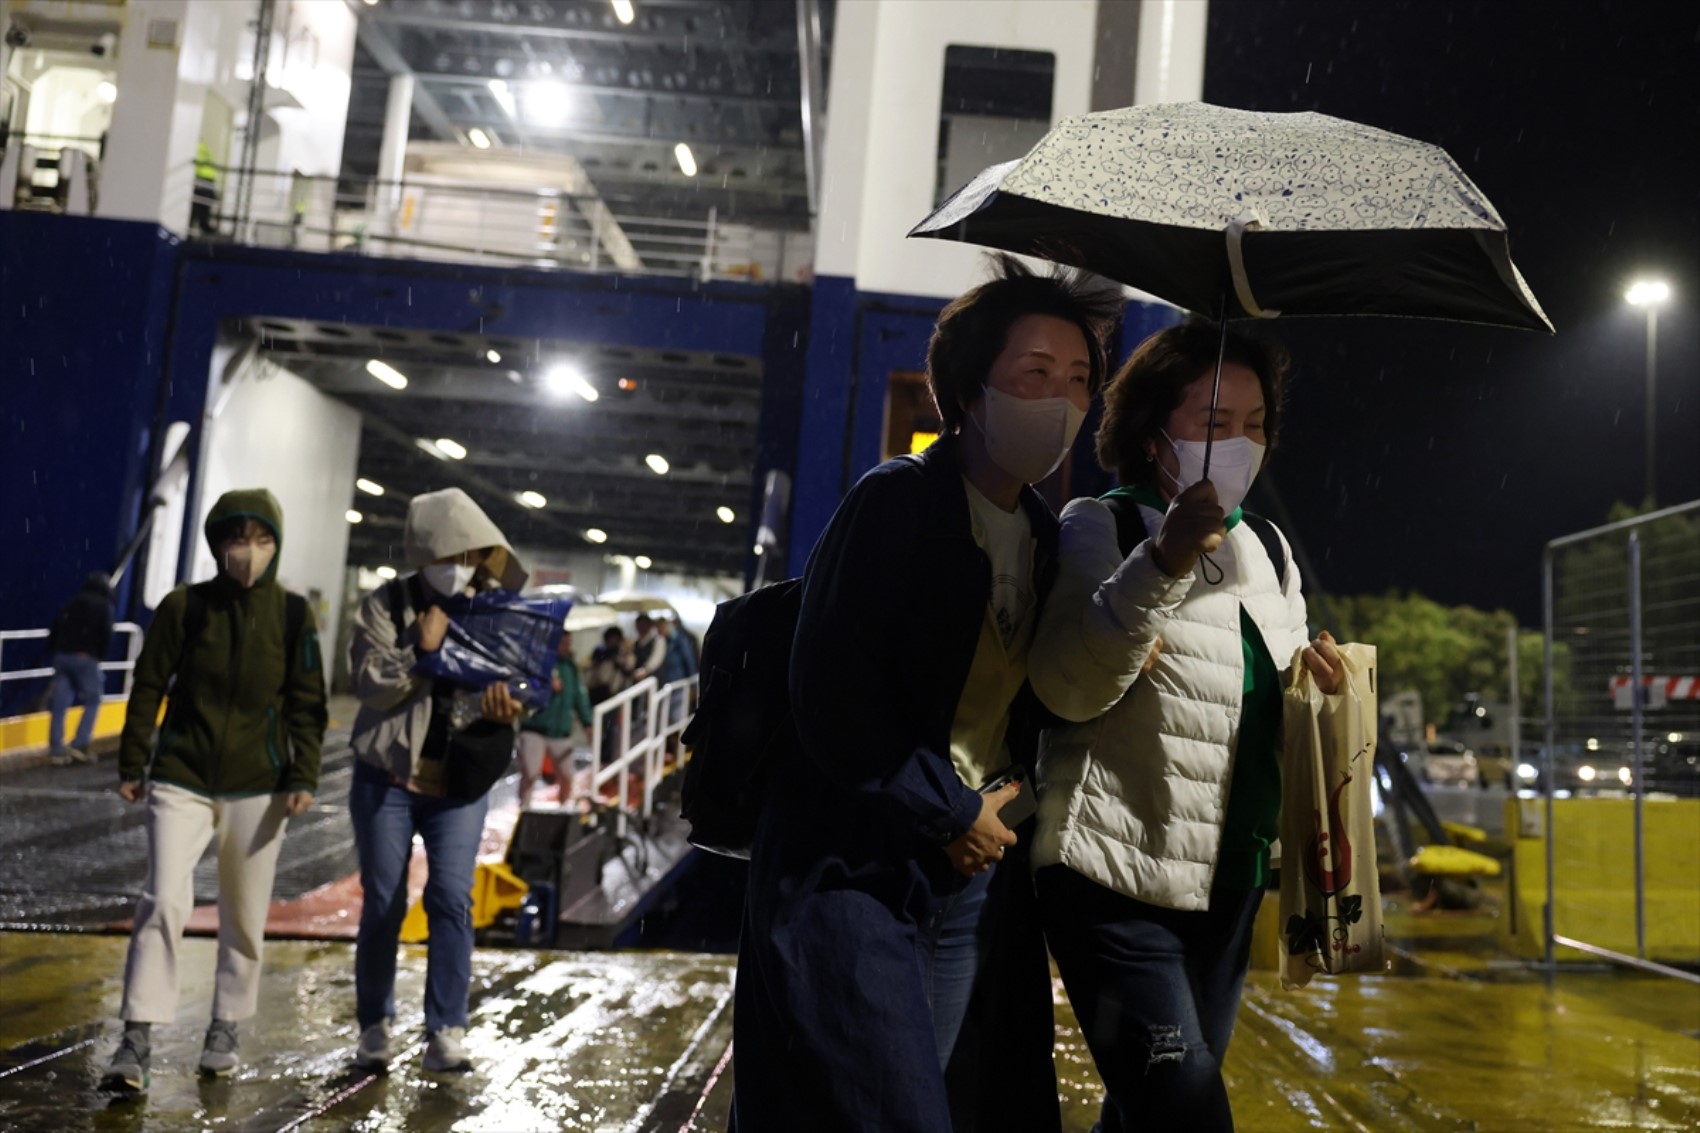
1156	991
76	677
385	819
952	944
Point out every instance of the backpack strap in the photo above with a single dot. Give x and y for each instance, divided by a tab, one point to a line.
395	594
1130	525
1271	540
294	622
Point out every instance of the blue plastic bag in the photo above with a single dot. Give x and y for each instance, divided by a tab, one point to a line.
498	636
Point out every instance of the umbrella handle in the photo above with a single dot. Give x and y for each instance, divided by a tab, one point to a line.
1236	263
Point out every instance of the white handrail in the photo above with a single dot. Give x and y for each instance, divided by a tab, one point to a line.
662	720
132	650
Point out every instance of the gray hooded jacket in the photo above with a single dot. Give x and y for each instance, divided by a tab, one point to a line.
395	702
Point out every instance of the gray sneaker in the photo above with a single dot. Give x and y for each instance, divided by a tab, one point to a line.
127	1073
218	1053
445	1051
374	1051
78	755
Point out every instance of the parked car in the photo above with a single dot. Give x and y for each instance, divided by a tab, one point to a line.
1445	762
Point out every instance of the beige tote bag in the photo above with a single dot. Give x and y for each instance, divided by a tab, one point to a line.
1330	894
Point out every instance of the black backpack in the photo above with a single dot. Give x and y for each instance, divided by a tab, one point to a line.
743	724
1130	532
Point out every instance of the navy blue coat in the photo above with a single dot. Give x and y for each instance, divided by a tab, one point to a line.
832	1025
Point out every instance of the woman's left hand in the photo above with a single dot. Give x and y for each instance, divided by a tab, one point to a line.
1327	667
298	802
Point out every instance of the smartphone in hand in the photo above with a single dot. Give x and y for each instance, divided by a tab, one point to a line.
1023	806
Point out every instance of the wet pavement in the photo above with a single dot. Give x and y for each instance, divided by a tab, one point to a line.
639	1042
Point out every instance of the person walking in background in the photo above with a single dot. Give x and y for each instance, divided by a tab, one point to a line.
81	634
408	760
547	737
678	663
610	666
237	757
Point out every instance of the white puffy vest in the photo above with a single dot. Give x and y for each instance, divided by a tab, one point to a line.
1132	794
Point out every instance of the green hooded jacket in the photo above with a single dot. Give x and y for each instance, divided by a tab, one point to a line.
244	718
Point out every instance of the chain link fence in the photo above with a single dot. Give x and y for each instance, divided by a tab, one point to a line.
1620	761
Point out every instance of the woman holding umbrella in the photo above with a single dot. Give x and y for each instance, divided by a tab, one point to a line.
1163	642
890	942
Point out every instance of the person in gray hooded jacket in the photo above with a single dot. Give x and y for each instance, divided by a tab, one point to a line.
402	742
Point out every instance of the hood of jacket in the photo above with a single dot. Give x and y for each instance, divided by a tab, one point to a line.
248	503
444	523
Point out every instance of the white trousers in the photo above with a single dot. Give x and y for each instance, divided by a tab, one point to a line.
180	824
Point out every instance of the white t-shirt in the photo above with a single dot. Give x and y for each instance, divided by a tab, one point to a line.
1007	539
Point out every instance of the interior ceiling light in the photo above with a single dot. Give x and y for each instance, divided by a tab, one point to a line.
478	138
760	550
451	449
686	159
726	514
370	487
533	499
657	463
546	103
504	97
352	516
628	385
596	535
107	92
1645	291
386	572
623	11
644	562
564	378
387	374
493	357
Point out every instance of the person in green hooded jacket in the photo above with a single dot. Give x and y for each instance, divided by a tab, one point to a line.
237	755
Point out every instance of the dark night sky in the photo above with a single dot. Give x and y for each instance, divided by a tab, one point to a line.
1442	457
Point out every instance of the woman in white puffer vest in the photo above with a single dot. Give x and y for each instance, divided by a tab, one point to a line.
1166	648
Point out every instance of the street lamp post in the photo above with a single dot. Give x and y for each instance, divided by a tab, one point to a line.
1650	294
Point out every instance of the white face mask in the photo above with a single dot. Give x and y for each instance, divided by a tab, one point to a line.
1028	438
1234	464
449	579
246	563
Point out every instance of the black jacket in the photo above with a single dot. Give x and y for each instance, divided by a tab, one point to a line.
832	1023
84	624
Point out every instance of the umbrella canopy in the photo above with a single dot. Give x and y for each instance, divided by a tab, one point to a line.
1236	214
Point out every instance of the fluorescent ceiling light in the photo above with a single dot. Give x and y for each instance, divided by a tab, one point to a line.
451	449
657	463
533	499
546	103
352	516
596	535
387	374
503	95
386	572
687	160
623	11
370	487
644	562
492	357
726	514
478	138
564	378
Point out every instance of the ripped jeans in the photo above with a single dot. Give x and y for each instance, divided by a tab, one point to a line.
1156	991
